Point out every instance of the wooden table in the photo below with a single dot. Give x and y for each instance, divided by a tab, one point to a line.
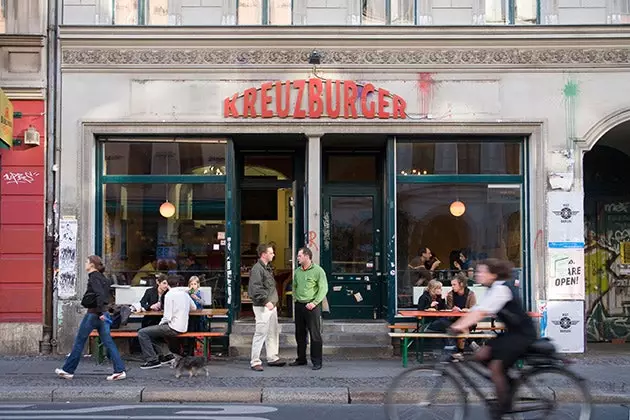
422	316
197	312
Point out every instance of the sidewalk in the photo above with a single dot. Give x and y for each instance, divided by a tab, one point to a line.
340	381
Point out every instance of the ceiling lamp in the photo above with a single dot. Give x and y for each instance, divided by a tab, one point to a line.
167	209
457	208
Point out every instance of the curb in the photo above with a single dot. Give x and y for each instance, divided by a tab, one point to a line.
266	395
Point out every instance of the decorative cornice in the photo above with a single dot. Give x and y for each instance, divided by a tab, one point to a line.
442	57
19	40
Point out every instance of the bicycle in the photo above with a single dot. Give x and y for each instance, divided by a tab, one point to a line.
422	391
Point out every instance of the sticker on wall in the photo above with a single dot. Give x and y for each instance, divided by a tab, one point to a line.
565	325
565	219
368	287
215	247
369	265
220	235
358	297
566	274
222	242
67	280
337	288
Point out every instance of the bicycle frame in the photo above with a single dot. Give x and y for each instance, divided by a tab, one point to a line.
465	379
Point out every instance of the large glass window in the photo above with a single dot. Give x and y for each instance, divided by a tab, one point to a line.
475	221
430	158
162	210
460	199
164	158
126	12
264	12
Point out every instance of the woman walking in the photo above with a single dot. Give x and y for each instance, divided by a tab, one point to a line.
96	301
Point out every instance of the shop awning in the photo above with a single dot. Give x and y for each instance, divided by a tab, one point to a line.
6	121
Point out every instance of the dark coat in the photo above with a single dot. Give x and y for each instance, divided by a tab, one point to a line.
262	285
99	285
424	302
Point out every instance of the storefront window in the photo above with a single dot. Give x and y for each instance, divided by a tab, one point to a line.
477	221
268	166
430	158
139	241
164	158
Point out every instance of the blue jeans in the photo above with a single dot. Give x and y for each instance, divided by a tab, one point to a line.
90	322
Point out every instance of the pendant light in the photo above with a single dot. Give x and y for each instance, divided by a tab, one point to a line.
457	207
167	209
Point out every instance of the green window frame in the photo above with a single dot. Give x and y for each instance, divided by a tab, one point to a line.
265	13
517	179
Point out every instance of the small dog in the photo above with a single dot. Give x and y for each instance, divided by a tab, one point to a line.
192	364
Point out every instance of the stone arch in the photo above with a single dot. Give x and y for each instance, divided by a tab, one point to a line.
599	130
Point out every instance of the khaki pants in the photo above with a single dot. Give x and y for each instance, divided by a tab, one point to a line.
266	333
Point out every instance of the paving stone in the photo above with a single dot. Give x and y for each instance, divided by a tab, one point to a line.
315	395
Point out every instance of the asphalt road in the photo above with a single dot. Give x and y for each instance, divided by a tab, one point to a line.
232	412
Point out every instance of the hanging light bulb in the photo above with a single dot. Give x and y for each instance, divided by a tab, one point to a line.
167	209
457	208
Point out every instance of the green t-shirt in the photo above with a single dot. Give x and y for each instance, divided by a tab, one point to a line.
310	285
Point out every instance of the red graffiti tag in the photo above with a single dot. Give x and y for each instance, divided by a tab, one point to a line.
538	234
311	240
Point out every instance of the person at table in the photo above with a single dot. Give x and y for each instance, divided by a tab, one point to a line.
460	298
177	307
421	267
501	353
149	269
431	299
153	300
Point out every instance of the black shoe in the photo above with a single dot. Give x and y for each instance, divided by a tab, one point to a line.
297	363
151	365
276	363
165	360
317	367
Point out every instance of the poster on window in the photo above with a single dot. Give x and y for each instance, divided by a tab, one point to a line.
565	325
565	279
565	219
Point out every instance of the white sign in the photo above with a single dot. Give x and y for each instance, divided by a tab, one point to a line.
565	219
565	325
67	275
565	278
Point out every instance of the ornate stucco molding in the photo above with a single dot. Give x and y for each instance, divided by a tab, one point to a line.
443	57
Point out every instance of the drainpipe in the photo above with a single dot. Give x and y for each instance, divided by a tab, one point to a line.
48	344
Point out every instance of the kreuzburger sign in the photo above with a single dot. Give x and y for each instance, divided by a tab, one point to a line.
315	98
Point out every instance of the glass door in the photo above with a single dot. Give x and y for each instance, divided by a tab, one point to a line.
352	252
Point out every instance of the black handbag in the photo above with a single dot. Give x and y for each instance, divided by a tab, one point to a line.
89	300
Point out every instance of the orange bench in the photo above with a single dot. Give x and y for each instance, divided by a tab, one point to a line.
132	334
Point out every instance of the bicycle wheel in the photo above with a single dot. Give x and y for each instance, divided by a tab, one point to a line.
553	393
426	393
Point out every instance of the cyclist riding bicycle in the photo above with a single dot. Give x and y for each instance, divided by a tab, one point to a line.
501	353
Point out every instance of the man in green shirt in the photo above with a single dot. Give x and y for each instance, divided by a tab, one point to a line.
309	290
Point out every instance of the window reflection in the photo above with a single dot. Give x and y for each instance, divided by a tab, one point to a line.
3	16
147	158
138	242
249	12
280	12
424	158
373	12
126	12
402	12
157	12
526	12
490	226
352	234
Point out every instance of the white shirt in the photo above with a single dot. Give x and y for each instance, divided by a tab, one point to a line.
497	296
177	307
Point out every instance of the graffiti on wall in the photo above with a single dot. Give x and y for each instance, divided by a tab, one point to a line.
608	272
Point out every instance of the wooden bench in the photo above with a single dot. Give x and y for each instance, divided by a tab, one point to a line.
132	334
402	327
422	335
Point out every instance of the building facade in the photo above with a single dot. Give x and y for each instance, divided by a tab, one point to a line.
201	129
22	175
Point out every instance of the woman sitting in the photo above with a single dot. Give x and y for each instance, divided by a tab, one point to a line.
431	300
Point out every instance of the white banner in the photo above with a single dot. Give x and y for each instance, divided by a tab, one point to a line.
565	279
565	219
565	325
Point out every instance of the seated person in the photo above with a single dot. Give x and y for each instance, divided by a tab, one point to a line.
153	300
177	307
460	298
431	299
146	270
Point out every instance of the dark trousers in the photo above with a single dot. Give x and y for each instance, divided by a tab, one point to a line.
441	325
310	321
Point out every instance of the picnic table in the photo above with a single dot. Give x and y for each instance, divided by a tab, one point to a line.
423	319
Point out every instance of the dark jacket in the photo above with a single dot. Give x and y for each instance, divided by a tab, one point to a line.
151	297
99	284
262	285
424	302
